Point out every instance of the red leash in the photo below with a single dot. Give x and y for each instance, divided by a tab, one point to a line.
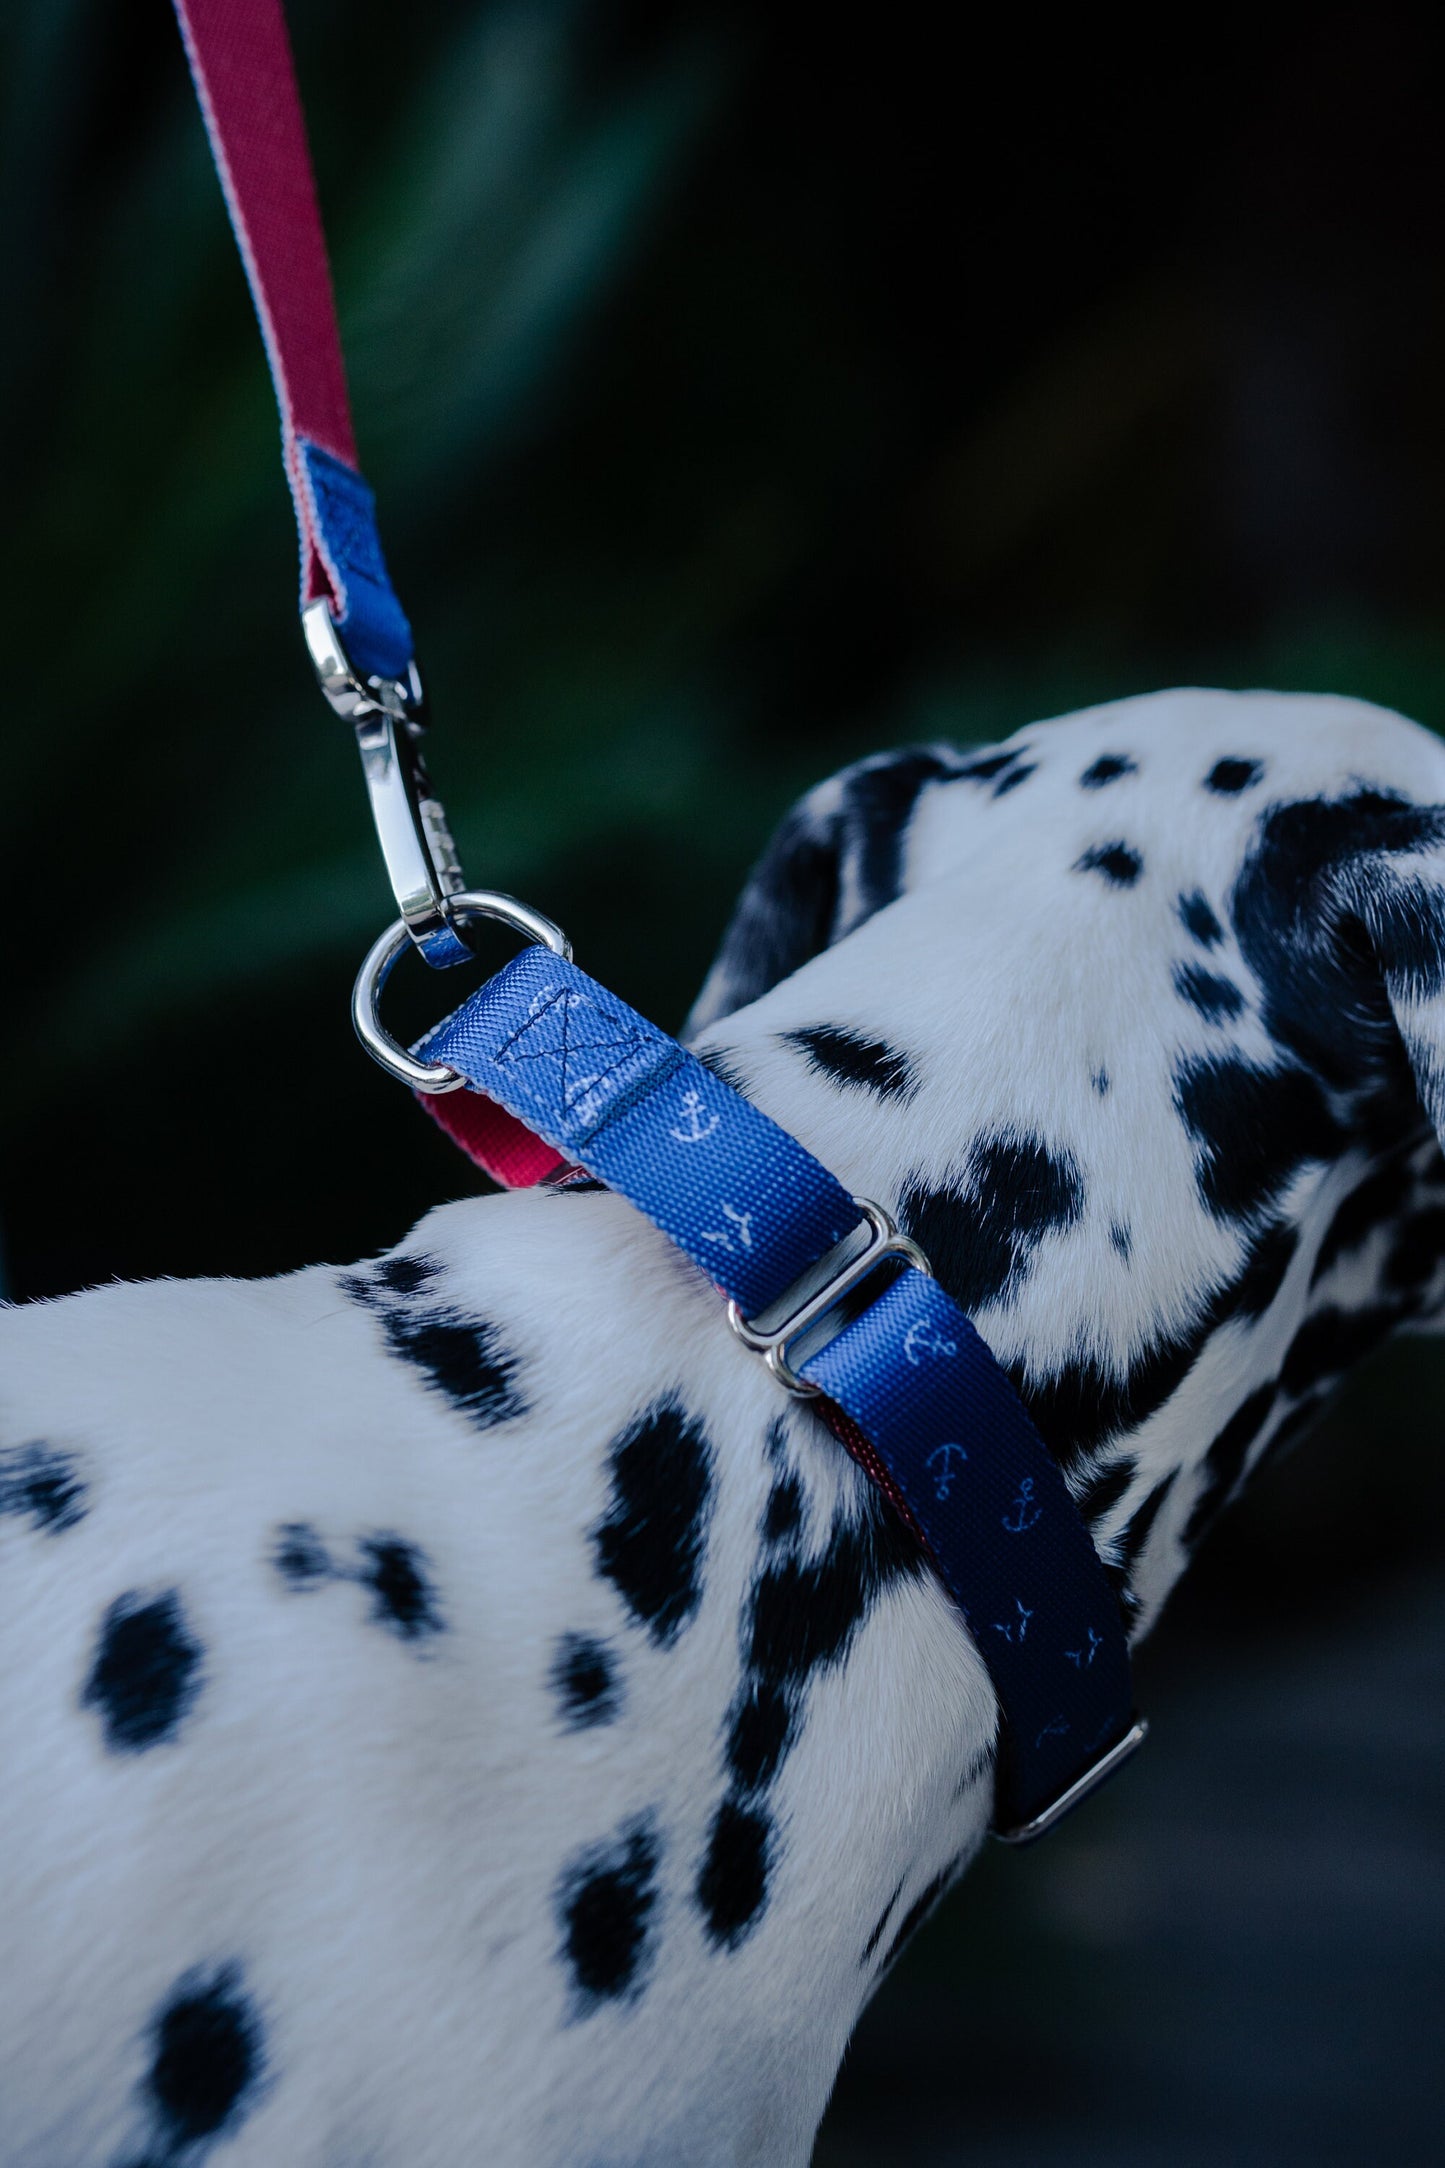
240	58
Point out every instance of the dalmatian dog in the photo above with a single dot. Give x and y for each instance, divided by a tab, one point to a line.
458	1709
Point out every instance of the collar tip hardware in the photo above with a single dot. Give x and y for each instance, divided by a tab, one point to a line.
1073	1795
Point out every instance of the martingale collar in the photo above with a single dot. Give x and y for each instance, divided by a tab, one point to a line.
951	1441
544	1068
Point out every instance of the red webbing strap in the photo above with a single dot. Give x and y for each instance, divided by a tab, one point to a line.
240	58
492	1138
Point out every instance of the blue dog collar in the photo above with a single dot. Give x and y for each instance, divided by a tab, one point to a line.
786	1243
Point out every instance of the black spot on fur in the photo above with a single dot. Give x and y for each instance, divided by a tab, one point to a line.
1200	920
1122	1240
1418	1250
650	1543
1376	1200
463	1358
981	1237
395	1572
987	766
804	1611
1255	1128
1107	769
783	1514
388	1276
1128	1547
1229	777
1333	1341
1013	778
1120	865
732	1883
849	1058
584	1679
1266	1263
605	1903
800	1616
916	1914
1217	999
406	1275
145	1674
880	800
721	1064
42	1484
760	1732
208	2054
1104	1489
1080	1407
1100	1081
1224	1462
300	1556
878	1926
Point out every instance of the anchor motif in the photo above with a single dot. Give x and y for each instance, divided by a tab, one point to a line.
743	1221
1014	1629
951	1457
921	1340
1025	1510
699	1129
1082	1658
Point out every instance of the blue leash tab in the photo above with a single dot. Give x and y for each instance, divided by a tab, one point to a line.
757	1213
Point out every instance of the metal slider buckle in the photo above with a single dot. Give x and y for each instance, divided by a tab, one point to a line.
387	715
814	1293
1111	1759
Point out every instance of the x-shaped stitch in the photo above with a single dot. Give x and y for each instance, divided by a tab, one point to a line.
563	1050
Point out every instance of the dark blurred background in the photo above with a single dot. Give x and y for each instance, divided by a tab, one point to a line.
745	391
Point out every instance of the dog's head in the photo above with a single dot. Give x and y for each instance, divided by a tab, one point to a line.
1139	1022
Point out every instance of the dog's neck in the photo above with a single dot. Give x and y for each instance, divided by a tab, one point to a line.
1162	1351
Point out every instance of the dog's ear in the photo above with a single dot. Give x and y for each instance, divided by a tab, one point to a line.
1340	913
1397	901
835	860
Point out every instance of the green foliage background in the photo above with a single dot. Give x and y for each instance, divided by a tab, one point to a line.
740	396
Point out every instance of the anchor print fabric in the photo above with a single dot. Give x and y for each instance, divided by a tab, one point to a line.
744	1200
736	1193
998	1518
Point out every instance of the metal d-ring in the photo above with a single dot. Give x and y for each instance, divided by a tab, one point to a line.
433	1076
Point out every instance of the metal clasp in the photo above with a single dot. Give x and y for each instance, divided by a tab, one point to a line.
1111	1759
815	1292
387	715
